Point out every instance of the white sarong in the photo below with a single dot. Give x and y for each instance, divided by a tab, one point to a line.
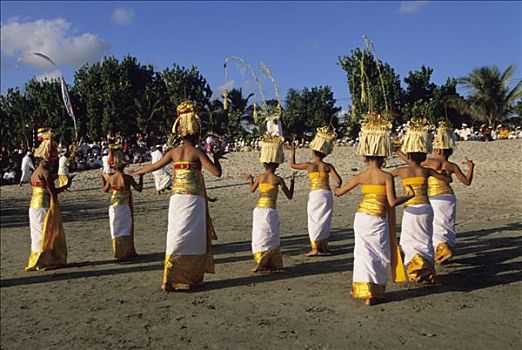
120	220
162	181
265	230
417	232
36	223
372	249
187	227
320	211
444	213
26	176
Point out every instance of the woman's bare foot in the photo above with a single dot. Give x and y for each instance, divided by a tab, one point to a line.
166	287
371	301
313	252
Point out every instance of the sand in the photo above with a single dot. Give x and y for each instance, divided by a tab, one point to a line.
98	303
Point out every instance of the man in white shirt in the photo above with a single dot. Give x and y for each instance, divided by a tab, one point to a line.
27	168
63	169
105	162
161	179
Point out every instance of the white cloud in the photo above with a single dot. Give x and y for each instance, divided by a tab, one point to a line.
123	16
411	6
53	38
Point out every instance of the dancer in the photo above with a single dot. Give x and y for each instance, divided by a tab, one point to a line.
417	220
440	193
121	210
266	242
376	247
320	199
188	253
48	246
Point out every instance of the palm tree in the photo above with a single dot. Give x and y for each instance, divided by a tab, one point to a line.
490	98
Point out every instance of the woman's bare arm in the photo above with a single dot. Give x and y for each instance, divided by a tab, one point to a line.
339	191
430	172
468	178
289	193
393	200
254	183
293	164
167	158
213	168
137	186
335	175
105	184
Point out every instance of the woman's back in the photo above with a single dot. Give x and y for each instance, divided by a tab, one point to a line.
186	153
411	171
319	166
269	178
373	177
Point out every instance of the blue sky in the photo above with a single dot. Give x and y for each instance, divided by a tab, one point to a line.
299	41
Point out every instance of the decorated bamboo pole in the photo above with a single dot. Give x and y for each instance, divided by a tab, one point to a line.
267	71
244	65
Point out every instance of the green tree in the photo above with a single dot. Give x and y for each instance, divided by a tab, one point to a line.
490	97
376	98
16	119
48	109
182	83
309	109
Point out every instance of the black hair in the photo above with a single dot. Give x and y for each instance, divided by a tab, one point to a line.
447	152
377	159
271	166
417	157
321	155
193	139
120	166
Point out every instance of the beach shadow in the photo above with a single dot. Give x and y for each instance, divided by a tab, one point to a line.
491	265
318	267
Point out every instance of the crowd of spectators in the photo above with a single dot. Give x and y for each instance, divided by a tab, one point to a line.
138	148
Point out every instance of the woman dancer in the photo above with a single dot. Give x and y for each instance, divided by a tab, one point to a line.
320	199
188	253
375	242
48	246
417	220
440	193
266	242
121	210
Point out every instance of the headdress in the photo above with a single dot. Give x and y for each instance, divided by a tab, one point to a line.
324	140
187	123
444	137
375	139
47	149
116	156
272	149
417	138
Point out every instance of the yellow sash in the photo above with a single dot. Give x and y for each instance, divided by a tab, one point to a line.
421	190
438	187
267	196
374	201
40	198
188	179
318	181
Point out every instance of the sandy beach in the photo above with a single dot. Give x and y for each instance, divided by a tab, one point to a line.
98	303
